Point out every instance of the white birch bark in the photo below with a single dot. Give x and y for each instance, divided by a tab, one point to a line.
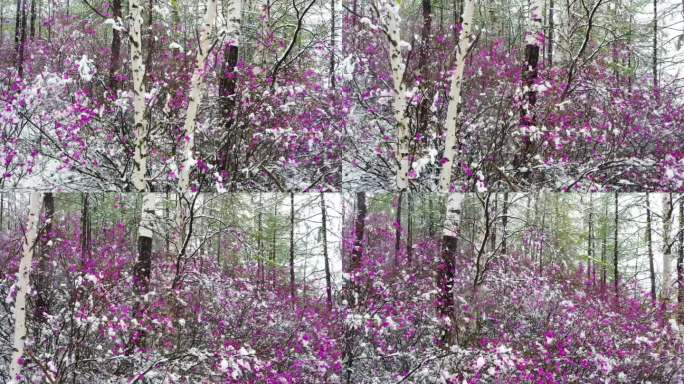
196	87
536	22
667	251
233	21
148	216
22	284
398	67
454	111
453	214
141	130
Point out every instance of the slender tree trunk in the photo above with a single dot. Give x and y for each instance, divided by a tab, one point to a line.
324	233
492	231
227	84
23	285
2	210
528	118
292	248
260	247
680	262
32	29
85	229
397	228
667	246
431	224
549	37
655	48
604	241
22	41
590	230
426	102
454	109
446	268
399	105
649	242
141	129
115	54
2	25
273	243
143	265
332	44
194	98
43	272
357	251
17	33
504	223
409	230
616	248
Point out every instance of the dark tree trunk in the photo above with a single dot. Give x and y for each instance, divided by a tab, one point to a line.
527	115
361	211
649	242
292	250
590	245
431	225
504	223
426	102
17	32
2	26
397	228
141	273
144	264
492	232
21	23
409	230
680	263
604	241
324	235
227	96
85	229
445	284
115	58
32	30
42	306
446	272
150	45
655	48
616	248
260	248
549	36
332	44
273	244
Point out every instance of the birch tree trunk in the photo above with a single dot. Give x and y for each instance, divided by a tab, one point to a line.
446	272
528	120
23	285
454	110
141	129
399	89
196	87
147	220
